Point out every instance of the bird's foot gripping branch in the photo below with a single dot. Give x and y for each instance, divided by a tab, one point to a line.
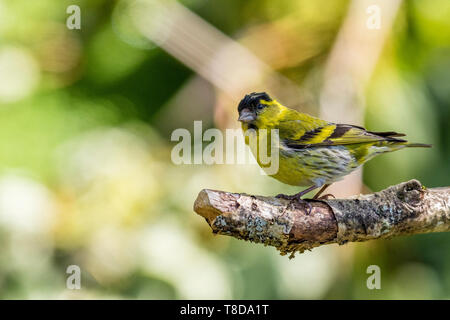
290	226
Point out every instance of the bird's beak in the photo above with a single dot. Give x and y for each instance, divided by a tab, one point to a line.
246	116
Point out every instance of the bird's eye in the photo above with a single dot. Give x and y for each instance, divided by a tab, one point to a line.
259	107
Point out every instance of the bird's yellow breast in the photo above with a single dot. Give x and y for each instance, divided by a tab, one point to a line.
305	167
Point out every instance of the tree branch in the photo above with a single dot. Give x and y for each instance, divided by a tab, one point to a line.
406	208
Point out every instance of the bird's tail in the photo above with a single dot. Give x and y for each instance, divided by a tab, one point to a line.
418	145
392	145
392	136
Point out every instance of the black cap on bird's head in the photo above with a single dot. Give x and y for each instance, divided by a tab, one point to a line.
248	106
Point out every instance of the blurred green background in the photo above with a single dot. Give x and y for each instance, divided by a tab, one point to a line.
85	123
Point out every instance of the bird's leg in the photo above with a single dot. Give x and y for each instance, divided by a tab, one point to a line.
316	197
326	196
297	196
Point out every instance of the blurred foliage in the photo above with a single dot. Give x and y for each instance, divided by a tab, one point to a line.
85	170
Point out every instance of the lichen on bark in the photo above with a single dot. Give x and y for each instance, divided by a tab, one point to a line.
292	226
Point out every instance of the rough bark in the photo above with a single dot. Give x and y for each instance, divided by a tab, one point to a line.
289	225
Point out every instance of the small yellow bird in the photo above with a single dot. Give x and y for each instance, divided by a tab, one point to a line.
314	152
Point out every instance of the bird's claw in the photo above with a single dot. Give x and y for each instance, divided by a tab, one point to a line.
286	197
298	199
308	204
326	197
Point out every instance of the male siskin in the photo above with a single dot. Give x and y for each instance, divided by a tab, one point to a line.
314	152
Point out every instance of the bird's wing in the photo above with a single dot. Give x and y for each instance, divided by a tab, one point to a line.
294	135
